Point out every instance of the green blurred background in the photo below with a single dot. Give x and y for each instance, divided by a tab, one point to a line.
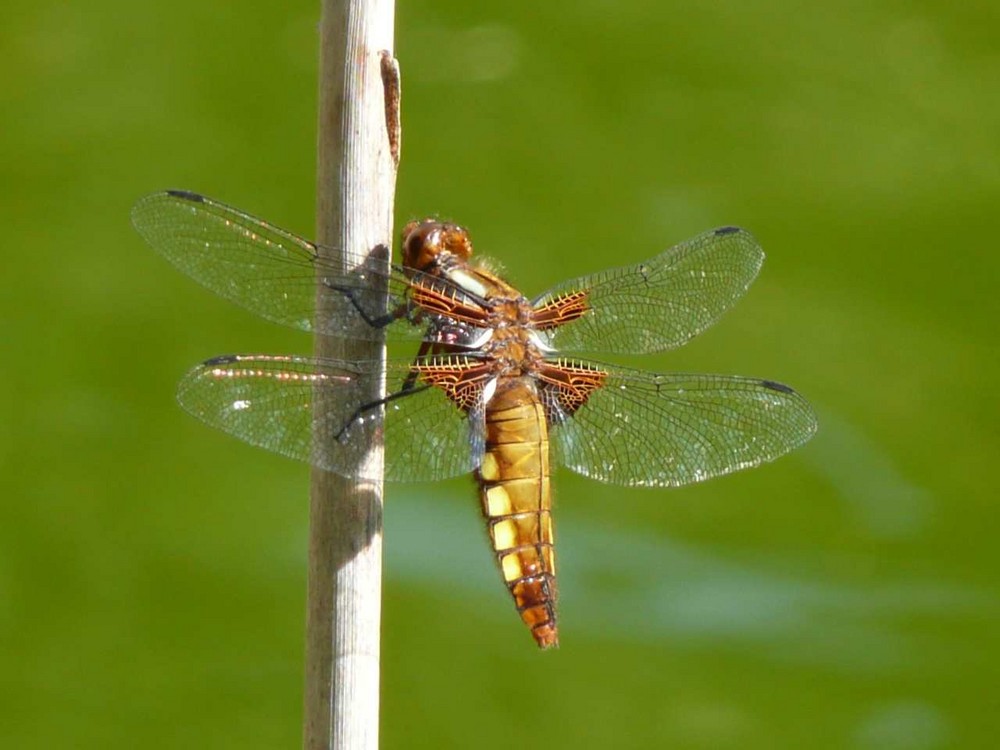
152	571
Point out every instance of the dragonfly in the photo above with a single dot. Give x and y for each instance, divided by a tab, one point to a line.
498	385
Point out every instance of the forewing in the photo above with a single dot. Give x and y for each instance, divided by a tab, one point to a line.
642	429
655	305
268	400
265	269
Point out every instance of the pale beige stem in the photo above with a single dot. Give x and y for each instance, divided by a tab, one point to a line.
355	187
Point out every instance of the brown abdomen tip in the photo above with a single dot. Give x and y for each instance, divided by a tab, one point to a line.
546	636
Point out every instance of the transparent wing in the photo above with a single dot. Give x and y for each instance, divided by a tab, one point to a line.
658	304
265	269
642	429
267	400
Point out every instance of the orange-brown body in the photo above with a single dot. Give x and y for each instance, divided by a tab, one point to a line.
493	355
514	475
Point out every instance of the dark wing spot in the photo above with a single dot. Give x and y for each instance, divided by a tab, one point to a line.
187	195
780	387
727	230
224	359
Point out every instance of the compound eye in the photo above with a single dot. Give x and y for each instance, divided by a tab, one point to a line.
425	241
456	240
421	243
412	248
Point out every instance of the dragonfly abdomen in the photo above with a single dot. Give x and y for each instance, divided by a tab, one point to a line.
517	503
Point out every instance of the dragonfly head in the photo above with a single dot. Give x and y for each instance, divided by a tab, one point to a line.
430	242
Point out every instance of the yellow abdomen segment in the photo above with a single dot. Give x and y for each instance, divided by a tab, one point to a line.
517	503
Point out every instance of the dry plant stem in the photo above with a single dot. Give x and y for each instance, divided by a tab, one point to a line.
355	186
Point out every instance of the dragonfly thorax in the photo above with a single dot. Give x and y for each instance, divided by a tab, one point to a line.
512	345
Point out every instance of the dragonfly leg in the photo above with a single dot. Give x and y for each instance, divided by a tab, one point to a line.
377	321
406	390
411	377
